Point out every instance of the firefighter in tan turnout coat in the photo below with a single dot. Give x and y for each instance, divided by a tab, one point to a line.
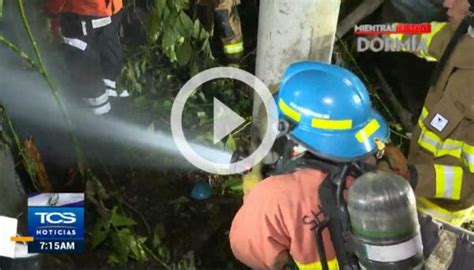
442	144
224	16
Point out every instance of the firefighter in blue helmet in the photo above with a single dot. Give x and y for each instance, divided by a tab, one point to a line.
330	108
335	136
329	118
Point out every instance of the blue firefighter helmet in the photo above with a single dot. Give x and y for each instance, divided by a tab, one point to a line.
330	112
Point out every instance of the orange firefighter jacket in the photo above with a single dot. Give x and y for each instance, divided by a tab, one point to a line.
278	220
96	8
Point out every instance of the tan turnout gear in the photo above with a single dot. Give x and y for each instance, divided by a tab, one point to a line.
442	145
224	15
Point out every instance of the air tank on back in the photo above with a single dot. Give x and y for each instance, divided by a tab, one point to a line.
384	221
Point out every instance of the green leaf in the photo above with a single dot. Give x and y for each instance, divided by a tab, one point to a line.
136	68
234	184
202	96
196	29
163	252
160	6
1	8
141	101
171	53
100	232
195	70
199	32
186	25
230	144
166	105
137	251
399	127
181	4
169	39
154	21
120	243
183	53
202	115
114	259
206	49
158	235
118	220
238	188
170	17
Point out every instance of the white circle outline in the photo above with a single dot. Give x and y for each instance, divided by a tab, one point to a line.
177	115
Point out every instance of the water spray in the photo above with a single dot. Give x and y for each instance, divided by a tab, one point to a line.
27	98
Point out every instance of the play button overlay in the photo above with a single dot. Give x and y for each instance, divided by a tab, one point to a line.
225	121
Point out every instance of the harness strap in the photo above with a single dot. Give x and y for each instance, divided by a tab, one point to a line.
460	31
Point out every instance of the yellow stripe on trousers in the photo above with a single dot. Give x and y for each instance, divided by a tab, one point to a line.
234	48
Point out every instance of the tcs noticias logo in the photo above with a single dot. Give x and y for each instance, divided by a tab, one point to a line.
57	217
56	222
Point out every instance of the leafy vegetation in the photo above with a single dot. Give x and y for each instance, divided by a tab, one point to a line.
151	221
176	48
152	227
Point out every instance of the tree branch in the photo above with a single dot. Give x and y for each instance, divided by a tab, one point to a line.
363	10
54	90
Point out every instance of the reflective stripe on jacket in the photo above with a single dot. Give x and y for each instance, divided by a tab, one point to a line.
97	8
456	218
425	38
442	145
278	219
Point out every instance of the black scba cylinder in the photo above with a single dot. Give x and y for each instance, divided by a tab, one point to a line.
384	222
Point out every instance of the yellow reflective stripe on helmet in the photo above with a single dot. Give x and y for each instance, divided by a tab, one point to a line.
468	155
288	111
448	182
369	130
234	48
331	124
456	218
332	265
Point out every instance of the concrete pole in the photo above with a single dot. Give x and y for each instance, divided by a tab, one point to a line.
291	30
288	31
